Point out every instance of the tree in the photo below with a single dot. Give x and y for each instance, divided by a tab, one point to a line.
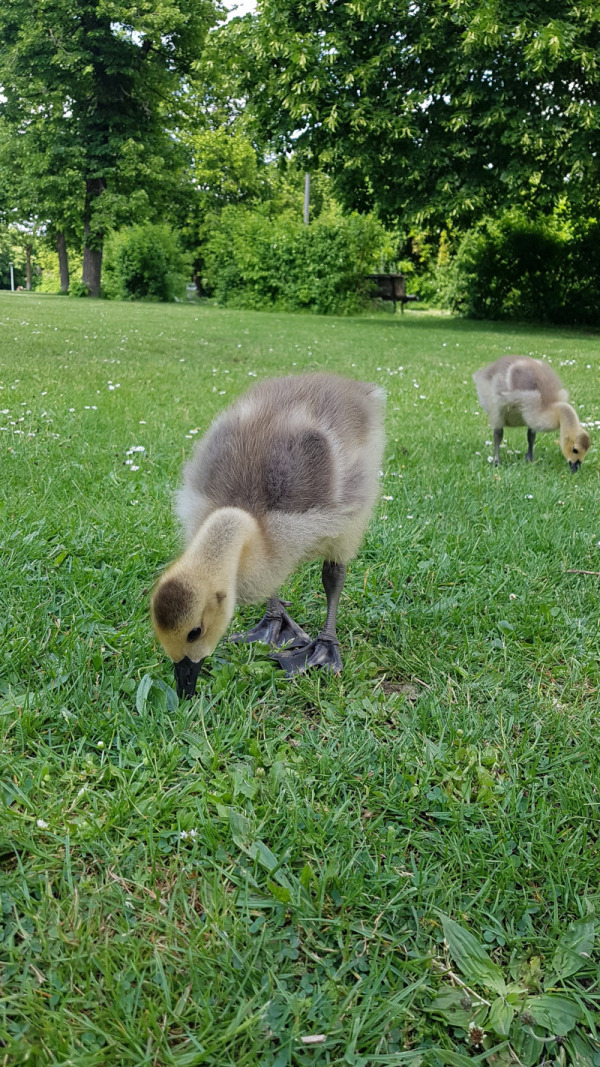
232	162
224	169
40	186
105	80
429	109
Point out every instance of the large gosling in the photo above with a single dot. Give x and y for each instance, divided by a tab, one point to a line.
289	473
521	391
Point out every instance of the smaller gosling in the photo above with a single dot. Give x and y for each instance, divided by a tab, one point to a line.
521	391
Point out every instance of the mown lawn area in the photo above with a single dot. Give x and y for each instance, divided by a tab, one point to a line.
214	881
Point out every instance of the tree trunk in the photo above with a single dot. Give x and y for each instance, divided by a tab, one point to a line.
28	260
63	261
92	269
92	242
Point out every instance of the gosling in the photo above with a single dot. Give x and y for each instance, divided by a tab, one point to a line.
521	391
288	474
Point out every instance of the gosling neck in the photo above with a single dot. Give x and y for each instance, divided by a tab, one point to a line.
224	544
567	420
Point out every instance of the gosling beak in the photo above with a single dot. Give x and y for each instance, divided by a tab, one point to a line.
574	466
186	673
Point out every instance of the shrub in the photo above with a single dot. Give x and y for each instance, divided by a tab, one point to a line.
506	269
540	271
254	261
78	288
144	262
582	273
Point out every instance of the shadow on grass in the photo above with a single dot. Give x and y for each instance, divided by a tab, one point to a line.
428	320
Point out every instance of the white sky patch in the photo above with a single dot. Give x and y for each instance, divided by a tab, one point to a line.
237	8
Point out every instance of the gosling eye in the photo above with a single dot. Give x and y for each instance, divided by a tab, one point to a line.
193	634
576	451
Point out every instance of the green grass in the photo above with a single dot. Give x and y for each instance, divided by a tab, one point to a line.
452	770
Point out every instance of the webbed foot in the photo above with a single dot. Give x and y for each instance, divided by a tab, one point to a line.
322	652
275	628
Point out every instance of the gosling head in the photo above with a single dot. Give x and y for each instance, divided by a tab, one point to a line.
189	615
575	447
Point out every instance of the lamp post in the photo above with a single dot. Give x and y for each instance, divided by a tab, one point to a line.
306	197
12	278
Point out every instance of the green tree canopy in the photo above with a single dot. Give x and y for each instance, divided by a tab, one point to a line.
430	108
40	184
100	86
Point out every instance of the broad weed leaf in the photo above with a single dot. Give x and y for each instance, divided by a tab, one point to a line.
573	950
527	1046
581	1050
163	696
500	1017
556	1012
453	1059
471	958
458	1007
241	830
142	693
280	892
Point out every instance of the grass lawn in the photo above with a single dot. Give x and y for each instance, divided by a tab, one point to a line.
401	863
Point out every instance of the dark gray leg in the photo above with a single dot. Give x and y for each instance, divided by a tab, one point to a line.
333	577
498	435
530	442
275	628
324	651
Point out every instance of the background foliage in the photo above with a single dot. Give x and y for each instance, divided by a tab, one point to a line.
91	94
434	118
543	270
11	251
145	262
254	260
429	111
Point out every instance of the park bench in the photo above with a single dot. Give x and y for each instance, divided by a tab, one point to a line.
391	287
